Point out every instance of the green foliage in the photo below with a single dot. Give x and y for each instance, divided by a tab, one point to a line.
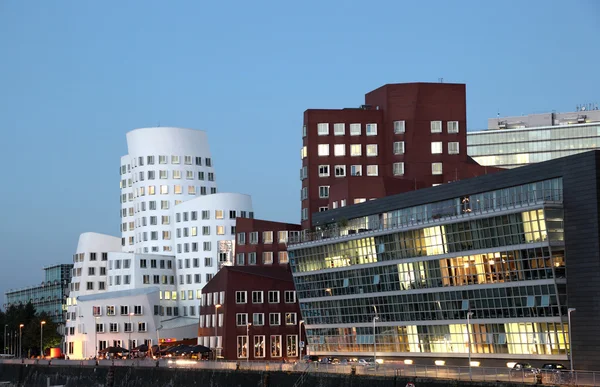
31	330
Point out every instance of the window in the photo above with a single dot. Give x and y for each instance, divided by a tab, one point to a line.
208	162
100	328
162	174
259	346
252	258
322	209
323	170
304	214
254	237
356	170
323	129
174	159
398	169
323	150
124	310
436	126
97	311
371	150
324	191
137	310
268	237
164	189
220	230
355	129
232	214
304	193
436	168
127	327
282	236
239	259
290	296
258	319
273	296
176	174
142	327
399	127
355	150
211	176
206	246
372	170
177	189
240	297
241	238
292	345
339	150
90	286
205	214
283	257
114	327
436	148
276	348
340	170
399	148
339	129
91	270
274	318
452	126
218	214
290	319
257	297
371	129
241	319
453	148
267	257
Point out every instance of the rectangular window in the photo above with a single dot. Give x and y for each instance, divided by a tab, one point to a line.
254	237
267	257
399	147
371	129
114	327
142	327
356	170
276	347
283	257
268	237
436	148
274	319
452	126
124	310
453	148
220	230
259	346
282	236
436	126
323	150
355	150
436	168
323	170
398	169
241	238
174	159
339	129
241	319
339	150
371	150
252	258
399	127
372	170
258	319
206	246
290	319
273	296
324	191
304	193
340	170
257	297
323	129
290	296
163	174
355	129
240	297
239	259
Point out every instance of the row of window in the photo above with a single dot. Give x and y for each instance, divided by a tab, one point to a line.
267	237
219	214
340	150
241	319
164	174
339	129
291	348
80	257
257	296
127	327
163	159
91	271
112	310
357	170
89	285
267	258
164	190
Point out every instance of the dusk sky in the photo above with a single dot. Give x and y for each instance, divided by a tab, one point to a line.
76	76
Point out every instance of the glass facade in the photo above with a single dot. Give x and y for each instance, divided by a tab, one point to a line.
510	148
424	269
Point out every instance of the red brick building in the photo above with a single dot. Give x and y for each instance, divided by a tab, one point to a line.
255	305
256	297
405	137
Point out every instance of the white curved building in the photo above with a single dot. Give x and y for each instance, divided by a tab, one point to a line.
164	167
204	235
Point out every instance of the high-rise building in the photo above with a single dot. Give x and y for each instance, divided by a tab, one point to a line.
405	137
502	267
176	232
516	141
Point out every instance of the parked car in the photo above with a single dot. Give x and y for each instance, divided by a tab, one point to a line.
311	358
522	369
557	367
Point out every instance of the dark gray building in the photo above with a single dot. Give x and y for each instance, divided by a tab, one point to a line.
490	265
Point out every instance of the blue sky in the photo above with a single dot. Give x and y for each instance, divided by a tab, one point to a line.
75	76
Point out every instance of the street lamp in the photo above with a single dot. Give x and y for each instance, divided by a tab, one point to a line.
300	339
21	340
217	306
248	341
569	311
42	323
130	329
4	340
96	336
375	318
469	314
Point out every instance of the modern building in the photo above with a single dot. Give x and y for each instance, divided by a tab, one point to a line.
252	313
405	137
515	141
49	297
263	242
176	230
499	266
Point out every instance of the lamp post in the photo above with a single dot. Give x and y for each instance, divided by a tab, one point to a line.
248	325
42	323
469	314
96	336
569	311
217	306
21	340
300	339
4	339
130	329
375	318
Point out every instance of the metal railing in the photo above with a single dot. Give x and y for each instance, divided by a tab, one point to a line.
389	369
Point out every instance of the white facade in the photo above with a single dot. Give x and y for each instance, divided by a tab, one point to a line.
177	231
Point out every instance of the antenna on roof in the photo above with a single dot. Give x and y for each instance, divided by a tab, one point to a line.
441	80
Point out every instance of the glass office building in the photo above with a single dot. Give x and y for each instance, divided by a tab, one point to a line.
515	141
485	256
49	297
